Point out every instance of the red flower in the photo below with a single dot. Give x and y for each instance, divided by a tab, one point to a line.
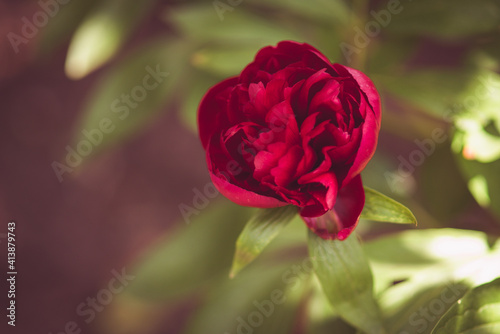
295	129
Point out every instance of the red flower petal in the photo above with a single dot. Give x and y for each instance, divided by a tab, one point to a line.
371	126
339	222
243	197
287	166
210	109
369	89
299	130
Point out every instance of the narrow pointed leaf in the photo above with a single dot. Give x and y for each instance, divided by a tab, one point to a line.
258	233
477	312
346	278
381	208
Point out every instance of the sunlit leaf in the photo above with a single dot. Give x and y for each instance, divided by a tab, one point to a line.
346	278
425	272
477	312
476	140
479	188
102	33
379	207
423	302
478	144
400	256
258	233
478	123
416	304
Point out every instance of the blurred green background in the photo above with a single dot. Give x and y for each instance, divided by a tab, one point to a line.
100	158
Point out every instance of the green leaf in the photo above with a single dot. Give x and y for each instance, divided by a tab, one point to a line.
102	33
264	299
192	257
258	233
445	19
483	182
478	123
416	304
131	94
402	255
426	300
379	207
478	312
346	278
419	274
322	317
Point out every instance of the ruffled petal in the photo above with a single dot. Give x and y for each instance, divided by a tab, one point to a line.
224	180
243	197
299	130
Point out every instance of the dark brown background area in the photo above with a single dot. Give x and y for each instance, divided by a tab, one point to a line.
71	235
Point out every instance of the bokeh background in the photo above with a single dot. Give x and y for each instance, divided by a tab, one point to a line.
66	65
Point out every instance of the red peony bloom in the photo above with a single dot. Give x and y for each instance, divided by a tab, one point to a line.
293	129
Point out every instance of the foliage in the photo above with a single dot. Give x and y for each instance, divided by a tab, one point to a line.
436	66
